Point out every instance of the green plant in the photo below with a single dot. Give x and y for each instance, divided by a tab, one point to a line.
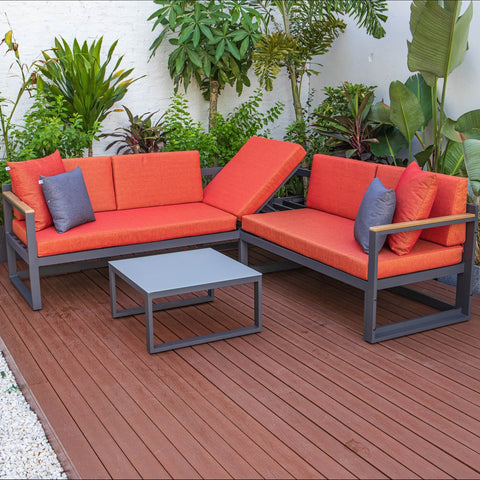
141	136
351	135
77	74
232	131
48	126
307	29
213	42
27	82
183	133
439	43
229	133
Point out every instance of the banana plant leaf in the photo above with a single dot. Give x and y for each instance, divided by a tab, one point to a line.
423	92
439	37
406	112
469	124
423	156
471	148
453	160
380	113
390	143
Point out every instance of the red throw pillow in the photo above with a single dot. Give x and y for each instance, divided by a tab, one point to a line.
415	194
25	177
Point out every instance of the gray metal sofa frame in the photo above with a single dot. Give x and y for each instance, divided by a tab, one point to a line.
447	313
54	264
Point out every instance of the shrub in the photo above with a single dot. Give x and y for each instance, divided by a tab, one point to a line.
48	126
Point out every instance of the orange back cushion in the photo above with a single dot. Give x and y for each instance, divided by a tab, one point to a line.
159	178
25	177
451	199
97	173
337	184
415	193
253	175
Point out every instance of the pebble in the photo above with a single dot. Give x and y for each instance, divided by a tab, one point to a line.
24	448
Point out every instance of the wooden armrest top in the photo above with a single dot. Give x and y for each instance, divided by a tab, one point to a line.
426	221
14	200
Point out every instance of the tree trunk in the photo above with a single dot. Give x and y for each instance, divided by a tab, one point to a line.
214	86
297	105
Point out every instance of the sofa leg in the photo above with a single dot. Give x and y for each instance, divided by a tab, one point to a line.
32	295
243	252
370	314
36	302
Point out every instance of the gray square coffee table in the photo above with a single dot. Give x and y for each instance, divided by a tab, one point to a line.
168	274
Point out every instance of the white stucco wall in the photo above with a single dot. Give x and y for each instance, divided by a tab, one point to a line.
355	57
359	58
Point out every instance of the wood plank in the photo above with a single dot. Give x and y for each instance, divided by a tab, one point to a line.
305	398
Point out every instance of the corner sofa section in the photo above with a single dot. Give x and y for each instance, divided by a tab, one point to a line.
147	202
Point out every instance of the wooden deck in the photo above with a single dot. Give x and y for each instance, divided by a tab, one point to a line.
306	398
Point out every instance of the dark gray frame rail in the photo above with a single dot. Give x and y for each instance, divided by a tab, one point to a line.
54	264
448	314
222	272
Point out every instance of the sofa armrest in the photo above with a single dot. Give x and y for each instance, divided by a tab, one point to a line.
17	203
425	223
469	218
10	200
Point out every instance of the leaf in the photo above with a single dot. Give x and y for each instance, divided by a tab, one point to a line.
423	92
220	49
390	143
453	158
380	113
469	124
471	149
406	112
439	37
424	156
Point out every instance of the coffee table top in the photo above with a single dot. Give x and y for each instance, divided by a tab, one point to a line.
177	272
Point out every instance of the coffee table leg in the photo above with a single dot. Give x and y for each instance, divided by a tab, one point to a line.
149	323
113	292
258	303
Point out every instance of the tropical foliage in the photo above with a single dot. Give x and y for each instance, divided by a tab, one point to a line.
230	132
89	87
439	44
213	42
306	29
47	126
142	135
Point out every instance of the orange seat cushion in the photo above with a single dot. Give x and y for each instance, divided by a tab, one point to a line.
329	239
415	194
157	178
125	227
25	177
98	176
337	185
253	175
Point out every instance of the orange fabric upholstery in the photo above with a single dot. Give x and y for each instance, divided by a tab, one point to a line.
124	227
415	193
389	175
451	199
25	177
337	185
253	175
329	239
153	179
97	173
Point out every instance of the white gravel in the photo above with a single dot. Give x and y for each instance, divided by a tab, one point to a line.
24	448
